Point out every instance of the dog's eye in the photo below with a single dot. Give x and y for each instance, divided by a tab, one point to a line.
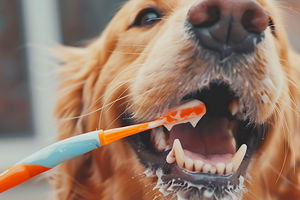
147	17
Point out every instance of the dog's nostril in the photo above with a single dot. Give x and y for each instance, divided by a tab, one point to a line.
205	16
213	16
254	20
231	26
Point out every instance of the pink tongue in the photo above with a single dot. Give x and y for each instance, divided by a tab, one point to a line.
211	137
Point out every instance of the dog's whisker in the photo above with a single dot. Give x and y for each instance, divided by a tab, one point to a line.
111	104
287	8
286	179
92	112
129	53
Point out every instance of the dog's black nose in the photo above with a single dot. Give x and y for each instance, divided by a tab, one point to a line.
228	26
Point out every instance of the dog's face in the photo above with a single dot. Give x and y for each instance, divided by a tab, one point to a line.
158	54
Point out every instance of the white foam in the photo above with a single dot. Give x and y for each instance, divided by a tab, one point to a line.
149	172
233	192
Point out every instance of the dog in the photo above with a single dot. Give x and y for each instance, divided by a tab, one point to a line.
155	55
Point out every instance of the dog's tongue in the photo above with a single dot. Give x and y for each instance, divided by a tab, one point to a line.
212	138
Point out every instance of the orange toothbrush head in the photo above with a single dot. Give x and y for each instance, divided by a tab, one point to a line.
191	111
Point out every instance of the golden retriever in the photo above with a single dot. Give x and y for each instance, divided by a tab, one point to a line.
156	54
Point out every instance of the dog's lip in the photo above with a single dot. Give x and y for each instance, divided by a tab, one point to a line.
174	173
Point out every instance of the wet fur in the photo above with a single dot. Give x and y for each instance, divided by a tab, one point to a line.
124	70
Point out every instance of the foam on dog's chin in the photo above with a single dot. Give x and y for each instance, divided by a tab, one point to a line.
232	192
149	172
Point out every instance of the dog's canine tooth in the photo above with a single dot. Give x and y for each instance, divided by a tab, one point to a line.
171	157
220	168
189	164
168	126
238	157
168	147
195	121
198	165
234	107
159	139
179	153
229	168
206	168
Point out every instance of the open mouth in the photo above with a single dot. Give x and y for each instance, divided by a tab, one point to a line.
209	157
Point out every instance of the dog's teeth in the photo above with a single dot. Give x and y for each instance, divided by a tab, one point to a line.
159	139
238	157
195	121
168	147
220	168
189	164
229	168
234	107
198	165
179	153
171	157
206	168
169	127
213	170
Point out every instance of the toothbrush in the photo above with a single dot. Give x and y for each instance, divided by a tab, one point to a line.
50	156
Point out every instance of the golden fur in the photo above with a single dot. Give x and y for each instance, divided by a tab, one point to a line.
140	69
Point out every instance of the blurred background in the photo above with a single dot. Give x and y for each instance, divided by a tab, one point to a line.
29	30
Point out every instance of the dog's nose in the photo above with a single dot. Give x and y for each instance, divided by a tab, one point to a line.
228	26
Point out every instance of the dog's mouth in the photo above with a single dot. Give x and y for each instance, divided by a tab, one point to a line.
205	158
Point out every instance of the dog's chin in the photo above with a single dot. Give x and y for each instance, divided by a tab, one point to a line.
214	140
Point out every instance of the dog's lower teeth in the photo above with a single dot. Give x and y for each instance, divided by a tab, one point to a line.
177	155
213	170
206	168
220	168
198	165
229	168
238	157
168	147
159	139
234	107
189	164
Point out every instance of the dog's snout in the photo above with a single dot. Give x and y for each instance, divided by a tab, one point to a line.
231	26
